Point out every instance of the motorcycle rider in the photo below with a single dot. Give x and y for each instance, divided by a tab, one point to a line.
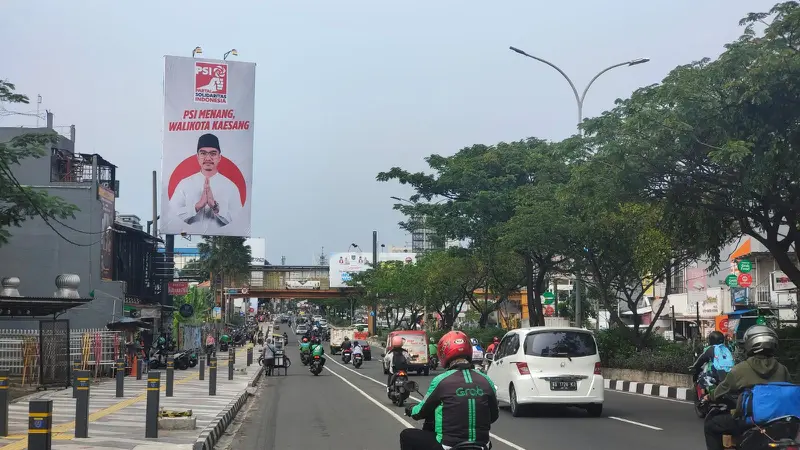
492	348
346	344
432	349
760	367
357	350
460	402
715	362
318	350
398	359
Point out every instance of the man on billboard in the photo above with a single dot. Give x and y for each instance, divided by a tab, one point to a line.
207	198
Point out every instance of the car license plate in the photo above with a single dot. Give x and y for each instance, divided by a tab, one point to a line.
563	385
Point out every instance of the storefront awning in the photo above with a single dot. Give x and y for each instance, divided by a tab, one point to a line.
743	250
37	306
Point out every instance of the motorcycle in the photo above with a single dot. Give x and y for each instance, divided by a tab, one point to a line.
192	358
181	360
358	359
316	365
398	392
346	355
782	433
412	386
305	358
158	359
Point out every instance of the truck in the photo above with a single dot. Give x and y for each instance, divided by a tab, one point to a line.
337	337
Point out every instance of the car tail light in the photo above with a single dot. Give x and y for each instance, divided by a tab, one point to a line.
523	368
597	369
401	374
316	357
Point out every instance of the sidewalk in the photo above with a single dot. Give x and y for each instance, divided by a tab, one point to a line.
119	423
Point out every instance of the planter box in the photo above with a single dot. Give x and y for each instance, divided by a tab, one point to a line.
680	380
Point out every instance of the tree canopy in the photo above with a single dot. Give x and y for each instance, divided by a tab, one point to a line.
668	177
227	256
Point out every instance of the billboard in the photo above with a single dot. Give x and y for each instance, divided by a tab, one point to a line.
107	199
343	265
207	160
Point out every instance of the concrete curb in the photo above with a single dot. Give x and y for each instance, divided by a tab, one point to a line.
655	390
214	431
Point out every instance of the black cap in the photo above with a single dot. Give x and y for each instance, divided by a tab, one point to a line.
208	140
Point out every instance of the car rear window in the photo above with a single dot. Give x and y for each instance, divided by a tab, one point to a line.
561	344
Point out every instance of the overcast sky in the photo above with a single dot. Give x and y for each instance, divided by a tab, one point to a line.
345	88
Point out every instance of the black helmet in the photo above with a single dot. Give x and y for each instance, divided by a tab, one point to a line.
760	339
716	338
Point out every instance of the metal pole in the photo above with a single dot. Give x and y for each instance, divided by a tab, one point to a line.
40	425
170	374
212	376
82	405
231	354
155	203
375	265
120	377
76	366
249	356
138	368
672	316
203	367
151	414
4	402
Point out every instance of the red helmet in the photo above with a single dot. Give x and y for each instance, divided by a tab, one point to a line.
305	339
454	344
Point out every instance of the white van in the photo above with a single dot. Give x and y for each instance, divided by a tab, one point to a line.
548	365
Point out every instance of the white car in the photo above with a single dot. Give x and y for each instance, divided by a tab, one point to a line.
301	329
548	365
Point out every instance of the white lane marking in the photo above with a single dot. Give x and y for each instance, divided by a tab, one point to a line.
493	436
369	397
635	423
655	397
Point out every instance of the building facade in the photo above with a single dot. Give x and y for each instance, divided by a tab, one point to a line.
40	250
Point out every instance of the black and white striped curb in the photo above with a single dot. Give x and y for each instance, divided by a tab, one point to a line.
656	390
214	431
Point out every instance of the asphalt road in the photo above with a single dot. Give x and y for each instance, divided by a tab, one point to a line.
346	408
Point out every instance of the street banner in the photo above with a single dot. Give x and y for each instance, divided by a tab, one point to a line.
207	159
107	199
342	266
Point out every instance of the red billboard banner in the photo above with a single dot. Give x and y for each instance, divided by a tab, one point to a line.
178	288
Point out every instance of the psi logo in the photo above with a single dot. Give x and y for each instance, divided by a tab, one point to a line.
210	82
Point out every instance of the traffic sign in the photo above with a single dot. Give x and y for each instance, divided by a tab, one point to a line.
745	266
245	290
549	297
731	281
745	280
549	311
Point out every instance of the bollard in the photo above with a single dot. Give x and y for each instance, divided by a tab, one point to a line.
40	425
170	374
76	366
232	354
151	416
138	368
230	365
3	402
249	356
202	369
82	404
212	376
120	377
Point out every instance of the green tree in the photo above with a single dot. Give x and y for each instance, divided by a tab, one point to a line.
397	287
201	301
451	277
20	203
718	140
227	256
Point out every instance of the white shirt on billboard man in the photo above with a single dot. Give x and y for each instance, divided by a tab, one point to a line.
207	199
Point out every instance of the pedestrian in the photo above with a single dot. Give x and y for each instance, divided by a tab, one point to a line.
269	357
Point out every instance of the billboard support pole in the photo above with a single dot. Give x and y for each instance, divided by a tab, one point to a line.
375	265
155	203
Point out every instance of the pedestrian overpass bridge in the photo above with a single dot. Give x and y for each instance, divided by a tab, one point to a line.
289	282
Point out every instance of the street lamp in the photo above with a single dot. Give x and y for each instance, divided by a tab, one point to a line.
230	52
197	51
579	98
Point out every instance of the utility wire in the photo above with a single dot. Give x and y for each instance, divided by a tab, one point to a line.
7	172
